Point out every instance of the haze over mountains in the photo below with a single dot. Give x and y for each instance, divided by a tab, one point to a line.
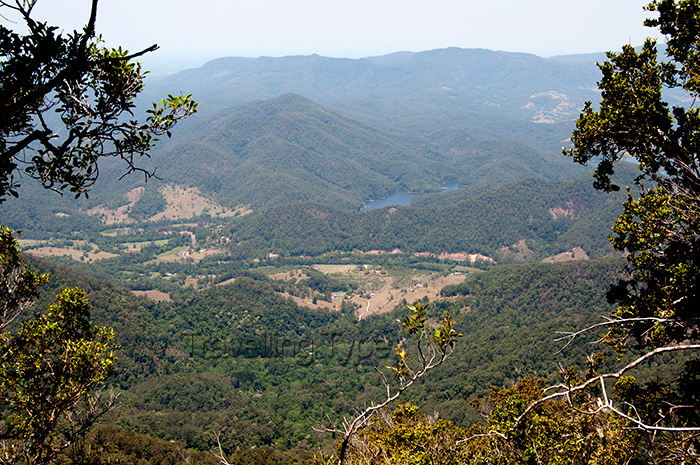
312	131
474	80
342	131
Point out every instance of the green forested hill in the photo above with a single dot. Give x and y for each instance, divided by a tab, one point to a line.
416	121
290	149
510	317
550	217
525	220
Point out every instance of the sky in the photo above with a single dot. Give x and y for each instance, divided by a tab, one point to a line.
192	32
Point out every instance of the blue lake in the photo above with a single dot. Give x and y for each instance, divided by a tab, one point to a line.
401	198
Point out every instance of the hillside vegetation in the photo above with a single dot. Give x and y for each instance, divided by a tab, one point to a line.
217	359
252	297
480	81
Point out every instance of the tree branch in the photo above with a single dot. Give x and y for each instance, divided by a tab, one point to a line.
436	350
571	335
604	403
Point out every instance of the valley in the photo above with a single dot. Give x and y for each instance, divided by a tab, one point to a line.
256	233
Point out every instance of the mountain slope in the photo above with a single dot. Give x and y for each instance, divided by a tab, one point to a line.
479	80
290	149
519	221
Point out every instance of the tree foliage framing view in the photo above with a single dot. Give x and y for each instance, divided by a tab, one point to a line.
659	230
49	372
67	101
619	418
430	351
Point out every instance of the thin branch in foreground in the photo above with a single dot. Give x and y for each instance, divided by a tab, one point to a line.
604	401
570	336
432	351
216	435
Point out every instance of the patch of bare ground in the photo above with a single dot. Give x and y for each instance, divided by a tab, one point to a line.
131	248
118	215
73	253
187	253
24	243
550	107
563	212
183	203
378	252
386	298
157	296
380	291
118	232
331	269
228	281
577	253
471	258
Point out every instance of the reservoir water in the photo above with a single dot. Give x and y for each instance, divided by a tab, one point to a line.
401	198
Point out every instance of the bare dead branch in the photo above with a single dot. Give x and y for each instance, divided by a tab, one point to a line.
216	435
571	335
604	401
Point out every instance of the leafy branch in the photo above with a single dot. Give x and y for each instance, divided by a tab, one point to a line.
431	350
91	91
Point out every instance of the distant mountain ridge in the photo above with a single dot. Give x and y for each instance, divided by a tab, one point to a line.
477	80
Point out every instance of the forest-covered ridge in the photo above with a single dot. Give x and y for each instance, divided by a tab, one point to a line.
301	151
310	159
522	221
482	81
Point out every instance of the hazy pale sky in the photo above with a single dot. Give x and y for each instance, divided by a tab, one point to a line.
191	32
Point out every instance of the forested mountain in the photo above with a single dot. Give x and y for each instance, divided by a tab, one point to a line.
480	81
519	221
492	95
301	151
290	149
